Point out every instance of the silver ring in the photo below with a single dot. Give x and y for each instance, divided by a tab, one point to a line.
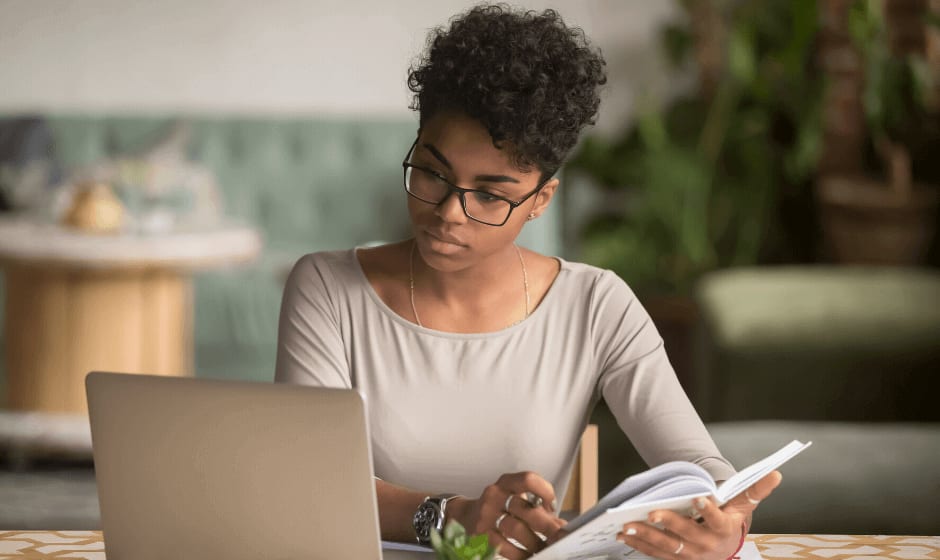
680	547
532	499
508	500
500	519
750	499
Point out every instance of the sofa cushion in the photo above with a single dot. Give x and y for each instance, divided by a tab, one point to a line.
856	478
818	343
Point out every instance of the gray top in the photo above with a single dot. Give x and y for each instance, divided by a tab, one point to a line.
451	412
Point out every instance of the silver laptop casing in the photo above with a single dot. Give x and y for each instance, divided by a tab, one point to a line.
209	469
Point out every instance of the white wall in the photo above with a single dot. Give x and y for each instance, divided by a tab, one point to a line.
339	57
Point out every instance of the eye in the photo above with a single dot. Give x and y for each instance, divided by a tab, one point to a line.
435	175
486	197
428	175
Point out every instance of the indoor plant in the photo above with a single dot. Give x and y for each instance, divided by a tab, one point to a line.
698	183
718	176
885	212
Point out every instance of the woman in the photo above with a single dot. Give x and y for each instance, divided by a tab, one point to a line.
481	361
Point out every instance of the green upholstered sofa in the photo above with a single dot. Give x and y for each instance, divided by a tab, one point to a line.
307	183
846	357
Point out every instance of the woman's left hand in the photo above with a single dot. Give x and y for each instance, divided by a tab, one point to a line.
716	538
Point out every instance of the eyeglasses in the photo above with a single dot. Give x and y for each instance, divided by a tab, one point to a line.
480	206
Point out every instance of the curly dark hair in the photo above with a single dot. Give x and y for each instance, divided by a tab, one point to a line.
532	81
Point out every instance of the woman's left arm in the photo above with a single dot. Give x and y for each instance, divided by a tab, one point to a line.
641	388
718	536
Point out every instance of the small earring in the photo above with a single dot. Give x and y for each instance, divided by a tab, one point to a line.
532	215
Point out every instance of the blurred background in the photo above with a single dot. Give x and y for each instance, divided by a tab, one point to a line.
763	173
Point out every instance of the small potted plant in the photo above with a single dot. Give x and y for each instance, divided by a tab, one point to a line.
454	544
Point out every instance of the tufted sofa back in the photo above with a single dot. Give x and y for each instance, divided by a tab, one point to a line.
315	184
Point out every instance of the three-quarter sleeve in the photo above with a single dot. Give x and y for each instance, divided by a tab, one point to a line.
310	349
640	386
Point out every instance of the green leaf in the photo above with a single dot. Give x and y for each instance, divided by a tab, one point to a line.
453	530
653	129
677	42
933	20
436	542
456	545
741	61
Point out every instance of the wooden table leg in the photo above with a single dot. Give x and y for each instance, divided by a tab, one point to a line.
62	323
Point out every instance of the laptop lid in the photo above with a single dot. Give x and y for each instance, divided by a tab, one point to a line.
197	468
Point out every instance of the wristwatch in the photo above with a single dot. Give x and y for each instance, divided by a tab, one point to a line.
430	515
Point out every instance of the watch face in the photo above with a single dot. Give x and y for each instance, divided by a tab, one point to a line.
426	518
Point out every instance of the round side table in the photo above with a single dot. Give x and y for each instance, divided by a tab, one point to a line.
78	302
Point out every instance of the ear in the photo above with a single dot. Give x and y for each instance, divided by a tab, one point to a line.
544	197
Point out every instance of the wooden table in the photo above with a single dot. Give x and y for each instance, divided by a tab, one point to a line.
77	302
87	545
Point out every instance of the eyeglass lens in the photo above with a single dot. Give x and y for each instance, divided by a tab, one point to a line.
478	205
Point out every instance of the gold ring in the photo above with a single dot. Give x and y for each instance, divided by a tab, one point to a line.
680	547
500	520
750	499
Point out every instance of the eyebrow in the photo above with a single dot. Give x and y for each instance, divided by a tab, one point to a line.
485	178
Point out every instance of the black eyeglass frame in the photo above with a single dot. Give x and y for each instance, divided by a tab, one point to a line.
462	192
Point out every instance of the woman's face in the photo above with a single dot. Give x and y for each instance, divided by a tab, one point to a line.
461	150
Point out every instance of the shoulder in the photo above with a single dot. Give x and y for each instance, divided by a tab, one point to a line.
600	286
350	270
613	311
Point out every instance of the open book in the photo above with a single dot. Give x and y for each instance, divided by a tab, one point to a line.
672	486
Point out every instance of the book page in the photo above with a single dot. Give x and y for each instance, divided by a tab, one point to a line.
639	483
747	477
682	485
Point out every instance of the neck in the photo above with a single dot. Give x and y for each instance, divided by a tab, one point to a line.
460	293
500	271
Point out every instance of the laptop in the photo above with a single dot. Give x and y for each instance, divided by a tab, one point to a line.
198	468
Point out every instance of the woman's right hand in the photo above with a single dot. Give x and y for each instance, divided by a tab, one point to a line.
520	523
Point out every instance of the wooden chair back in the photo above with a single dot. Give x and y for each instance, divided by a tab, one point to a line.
582	488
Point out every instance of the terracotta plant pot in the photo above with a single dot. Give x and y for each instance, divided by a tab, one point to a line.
867	222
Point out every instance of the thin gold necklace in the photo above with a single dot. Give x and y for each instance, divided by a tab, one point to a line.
411	284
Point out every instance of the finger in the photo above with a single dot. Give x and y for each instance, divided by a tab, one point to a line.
713	517
748	500
538	519
688	530
560	534
514	529
528	481
506	549
765	486
654	542
493	503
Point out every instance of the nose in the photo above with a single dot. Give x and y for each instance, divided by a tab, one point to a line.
450	209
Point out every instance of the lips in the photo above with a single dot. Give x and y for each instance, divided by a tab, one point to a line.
444	237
